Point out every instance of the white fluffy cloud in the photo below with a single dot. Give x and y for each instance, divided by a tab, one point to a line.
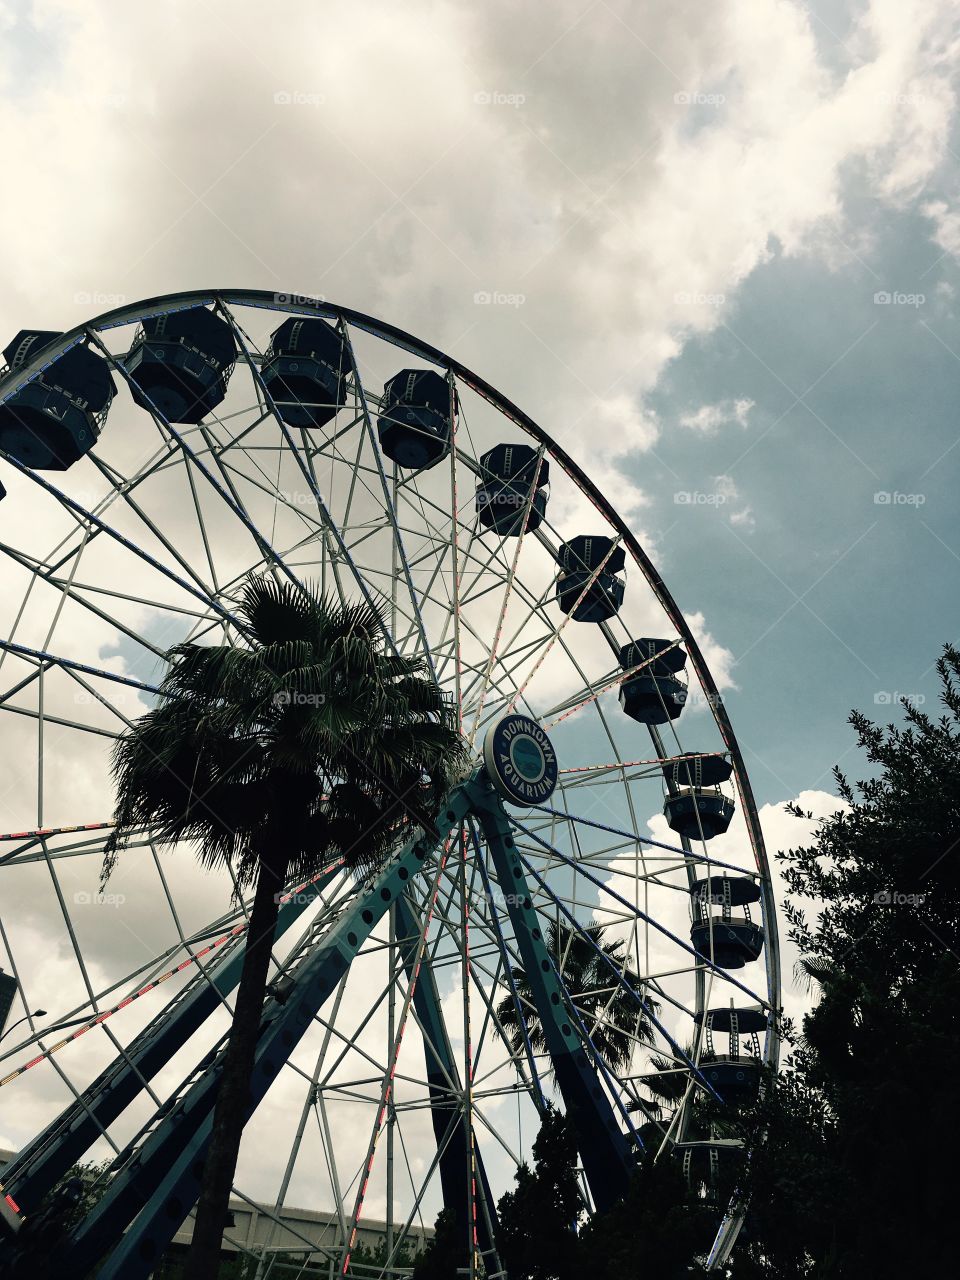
554	162
738	512
709	417
946	225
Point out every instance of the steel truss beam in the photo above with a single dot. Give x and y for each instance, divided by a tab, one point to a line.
34	1171
442	1076
604	1149
151	1195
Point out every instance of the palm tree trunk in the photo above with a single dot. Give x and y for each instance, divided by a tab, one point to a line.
233	1095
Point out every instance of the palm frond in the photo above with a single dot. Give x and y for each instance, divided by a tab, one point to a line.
313	739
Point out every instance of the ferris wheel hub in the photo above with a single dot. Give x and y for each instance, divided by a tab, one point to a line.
520	760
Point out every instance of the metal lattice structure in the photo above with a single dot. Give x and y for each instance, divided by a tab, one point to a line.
243	432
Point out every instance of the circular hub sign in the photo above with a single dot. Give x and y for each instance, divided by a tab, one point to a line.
520	760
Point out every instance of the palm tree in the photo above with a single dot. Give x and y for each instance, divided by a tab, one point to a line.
312	742
667	1082
613	1018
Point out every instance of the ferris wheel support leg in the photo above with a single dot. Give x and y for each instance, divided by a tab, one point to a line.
151	1196
35	1170
441	1069
604	1150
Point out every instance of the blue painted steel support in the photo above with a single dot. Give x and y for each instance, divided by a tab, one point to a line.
604	1149
41	655
443	1078
156	1189
539	1097
641	1002
34	1170
574	1014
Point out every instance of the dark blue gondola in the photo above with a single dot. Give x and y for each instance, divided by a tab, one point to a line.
414	424
506	490
180	362
707	770
705	1154
748	1020
305	371
579	560
736	942
737	1080
56	418
734	1074
698	812
702	1154
654	695
730	940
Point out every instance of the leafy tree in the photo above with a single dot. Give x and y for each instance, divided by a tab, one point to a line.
376	1256
657	1230
855	1178
538	1220
309	743
611	1015
40	1241
666	1084
444	1251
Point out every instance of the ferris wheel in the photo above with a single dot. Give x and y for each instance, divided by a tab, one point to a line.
596	897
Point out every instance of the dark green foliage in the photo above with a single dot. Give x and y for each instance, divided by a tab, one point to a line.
656	1231
376	1256
41	1240
312	737
537	1238
444	1252
856	1177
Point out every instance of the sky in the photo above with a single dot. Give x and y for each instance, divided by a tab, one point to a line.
684	217
712	249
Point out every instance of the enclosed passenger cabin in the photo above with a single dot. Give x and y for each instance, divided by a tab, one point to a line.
698	813
415	419
601	592
732	1070
55	419
696	807
512	489
305	371
704	770
706	1156
653	695
717	933
180	362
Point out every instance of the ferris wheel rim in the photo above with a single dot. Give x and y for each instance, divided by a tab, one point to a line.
130	313
303	305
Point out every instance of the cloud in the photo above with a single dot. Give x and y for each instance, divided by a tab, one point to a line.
709	417
729	495
946	222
